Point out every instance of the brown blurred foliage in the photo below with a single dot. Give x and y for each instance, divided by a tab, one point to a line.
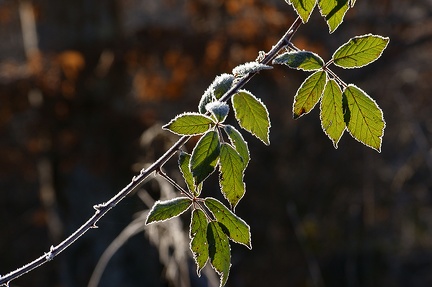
79	87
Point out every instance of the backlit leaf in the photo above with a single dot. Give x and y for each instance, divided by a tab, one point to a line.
333	11
236	228
231	174
300	60
198	236
189	124
363	117
331	112
167	209
239	143
184	165
309	93
205	156
360	51
252	115
219	250
303	8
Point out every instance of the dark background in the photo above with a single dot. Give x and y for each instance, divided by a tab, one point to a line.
76	98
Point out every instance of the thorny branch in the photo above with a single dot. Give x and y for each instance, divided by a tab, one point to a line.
138	180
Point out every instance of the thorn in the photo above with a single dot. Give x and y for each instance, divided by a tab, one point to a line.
98	207
49	256
94	226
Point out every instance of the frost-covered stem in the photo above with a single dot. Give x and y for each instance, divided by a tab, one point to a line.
137	181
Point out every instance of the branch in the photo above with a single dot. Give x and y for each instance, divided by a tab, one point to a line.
137	181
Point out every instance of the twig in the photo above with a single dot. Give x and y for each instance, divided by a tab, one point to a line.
137	181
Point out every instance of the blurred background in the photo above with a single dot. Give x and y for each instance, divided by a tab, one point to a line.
85	86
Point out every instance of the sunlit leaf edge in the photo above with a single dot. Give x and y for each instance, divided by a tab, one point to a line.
378	149
387	39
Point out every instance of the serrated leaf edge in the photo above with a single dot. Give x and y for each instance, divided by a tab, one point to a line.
327	22
239	218
298	68
168	200
301	86
268	117
198	270
387	39
221	274
297	12
221	175
335	142
384	122
166	127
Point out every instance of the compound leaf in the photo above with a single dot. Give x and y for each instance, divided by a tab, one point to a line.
231	174
360	51
303	8
363	117
334	12
236	228
331	112
219	250
239	143
309	93
300	60
252	115
189	124
167	209
198	236
205	156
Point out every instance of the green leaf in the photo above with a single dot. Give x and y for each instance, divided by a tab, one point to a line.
184	165
331	112
236	228
205	156
252	115
251	67
309	93
334	12
231	174
219	250
190	124
364	118
360	51
301	60
198	236
239	143
167	209
303	8
219	110
220	85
